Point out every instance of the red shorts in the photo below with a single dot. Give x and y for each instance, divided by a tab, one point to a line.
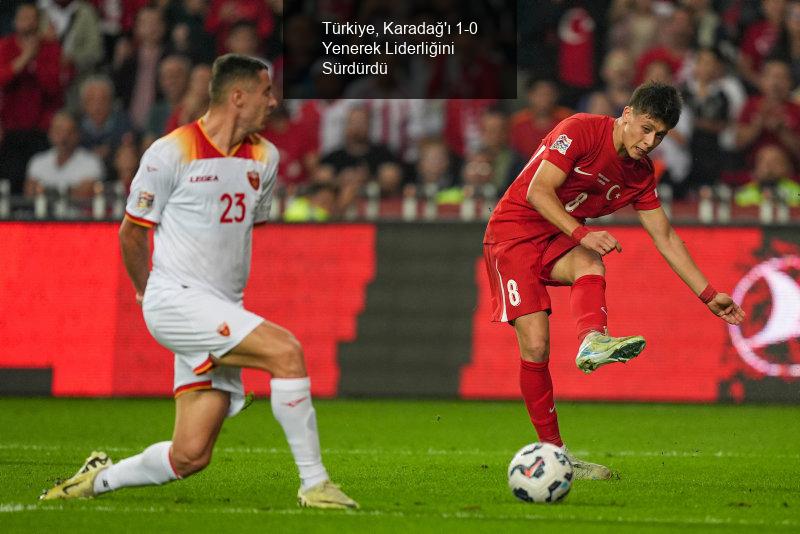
519	271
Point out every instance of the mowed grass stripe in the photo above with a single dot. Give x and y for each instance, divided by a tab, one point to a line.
428	452
101	508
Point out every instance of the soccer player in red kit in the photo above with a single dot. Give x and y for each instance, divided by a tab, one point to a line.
587	166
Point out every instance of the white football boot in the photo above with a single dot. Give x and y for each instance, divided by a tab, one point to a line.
599	349
583	470
325	495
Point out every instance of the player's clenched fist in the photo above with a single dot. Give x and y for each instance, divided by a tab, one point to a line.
601	242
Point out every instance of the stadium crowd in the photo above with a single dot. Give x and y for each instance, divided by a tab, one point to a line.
87	85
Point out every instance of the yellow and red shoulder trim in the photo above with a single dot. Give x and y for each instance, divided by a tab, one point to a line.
139	220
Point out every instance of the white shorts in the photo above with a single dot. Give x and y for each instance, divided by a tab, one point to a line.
197	327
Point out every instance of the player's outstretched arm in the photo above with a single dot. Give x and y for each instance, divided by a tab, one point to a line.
674	251
135	244
542	197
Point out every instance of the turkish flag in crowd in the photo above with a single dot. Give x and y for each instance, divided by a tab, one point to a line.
576	35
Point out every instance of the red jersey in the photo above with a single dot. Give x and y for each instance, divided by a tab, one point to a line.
750	113
598	180
30	98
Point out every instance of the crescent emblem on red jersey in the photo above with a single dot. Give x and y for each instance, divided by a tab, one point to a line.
610	189
254	179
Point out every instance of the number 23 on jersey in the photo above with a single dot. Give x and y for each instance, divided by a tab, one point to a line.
234	208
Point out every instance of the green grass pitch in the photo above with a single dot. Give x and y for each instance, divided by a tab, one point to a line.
415	466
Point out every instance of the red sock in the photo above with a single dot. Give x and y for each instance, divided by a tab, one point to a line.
537	390
588	303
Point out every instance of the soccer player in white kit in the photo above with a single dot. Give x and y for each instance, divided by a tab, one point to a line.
203	187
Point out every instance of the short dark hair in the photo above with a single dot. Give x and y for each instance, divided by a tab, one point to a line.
658	100
230	68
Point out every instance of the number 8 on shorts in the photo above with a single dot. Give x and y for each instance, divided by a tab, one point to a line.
513	293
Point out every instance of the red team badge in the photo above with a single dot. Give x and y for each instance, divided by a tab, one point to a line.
254	179
223	330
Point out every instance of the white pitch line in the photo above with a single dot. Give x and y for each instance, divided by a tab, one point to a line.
707	520
430	452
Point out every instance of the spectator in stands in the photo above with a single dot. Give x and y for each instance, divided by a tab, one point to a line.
773	176
633	25
31	87
530	125
65	166
321	120
359	160
243	39
401	123
75	24
708	102
126	163
435	165
297	156
173	81
194	102
391	179
787	46
102	126
224	14
676	37
617	74
759	39
188	36
708	23
318	204
116	19
135	66
770	117
504	162
477	170
462	124
597	104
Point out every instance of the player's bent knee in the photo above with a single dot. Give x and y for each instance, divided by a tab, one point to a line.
187	463
535	352
287	360
590	263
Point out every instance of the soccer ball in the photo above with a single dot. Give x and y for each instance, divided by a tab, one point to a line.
540	472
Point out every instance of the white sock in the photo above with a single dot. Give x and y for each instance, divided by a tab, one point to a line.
291	405
151	467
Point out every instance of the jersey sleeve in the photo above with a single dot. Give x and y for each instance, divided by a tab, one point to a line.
568	142
261	210
150	189
648	198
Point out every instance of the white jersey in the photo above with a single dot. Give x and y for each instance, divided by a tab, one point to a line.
203	206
